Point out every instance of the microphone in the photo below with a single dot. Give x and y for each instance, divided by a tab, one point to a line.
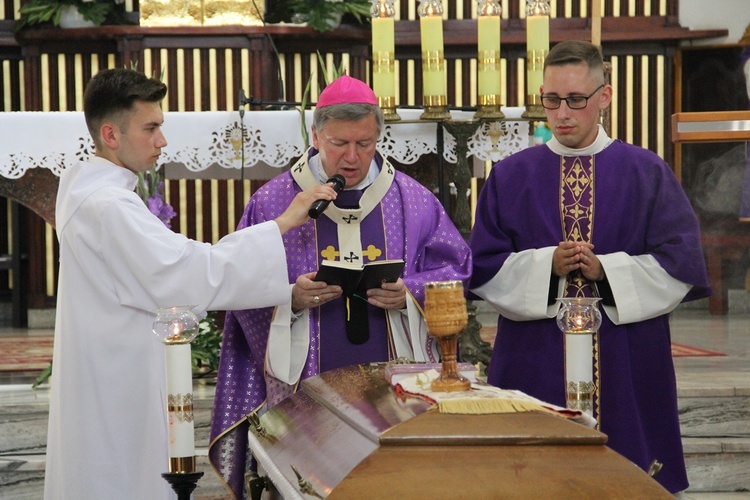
319	205
242	100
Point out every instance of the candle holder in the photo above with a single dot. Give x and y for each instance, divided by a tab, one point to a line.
176	327
383	57
579	319
434	92
446	316
488	60
537	47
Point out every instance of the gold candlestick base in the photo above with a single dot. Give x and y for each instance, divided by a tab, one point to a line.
489	113
435	113
534	108
488	108
388	105
446	316
535	112
435	108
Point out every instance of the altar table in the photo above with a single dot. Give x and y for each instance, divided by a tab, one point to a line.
202	139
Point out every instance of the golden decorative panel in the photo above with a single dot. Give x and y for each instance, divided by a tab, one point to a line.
201	12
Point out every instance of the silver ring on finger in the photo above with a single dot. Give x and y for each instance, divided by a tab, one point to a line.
316	299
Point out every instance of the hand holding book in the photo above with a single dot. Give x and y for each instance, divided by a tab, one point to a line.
357	279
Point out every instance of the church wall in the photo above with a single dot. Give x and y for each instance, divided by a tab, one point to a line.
207	74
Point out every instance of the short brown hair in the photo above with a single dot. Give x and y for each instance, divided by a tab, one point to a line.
576	52
111	93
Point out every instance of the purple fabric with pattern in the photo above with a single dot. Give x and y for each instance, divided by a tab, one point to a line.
417	229
639	208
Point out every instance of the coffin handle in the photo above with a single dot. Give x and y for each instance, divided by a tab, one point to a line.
255	484
305	486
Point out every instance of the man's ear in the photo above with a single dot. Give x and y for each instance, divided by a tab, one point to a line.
606	99
110	135
314	137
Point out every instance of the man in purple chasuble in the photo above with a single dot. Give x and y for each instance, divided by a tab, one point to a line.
381	214
588	215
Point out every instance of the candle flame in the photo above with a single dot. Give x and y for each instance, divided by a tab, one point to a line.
430	8
537	8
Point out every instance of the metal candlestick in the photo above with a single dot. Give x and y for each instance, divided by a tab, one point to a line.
176	327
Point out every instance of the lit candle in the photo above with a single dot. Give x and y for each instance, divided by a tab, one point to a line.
579	319
488	44
537	44
176	327
431	35
383	50
180	405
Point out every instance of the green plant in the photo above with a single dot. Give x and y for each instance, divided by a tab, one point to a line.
321	15
206	347
40	12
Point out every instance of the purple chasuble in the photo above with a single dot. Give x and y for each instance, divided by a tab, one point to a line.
641	210
409	223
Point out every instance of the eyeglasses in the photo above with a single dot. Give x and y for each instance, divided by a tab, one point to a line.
573	101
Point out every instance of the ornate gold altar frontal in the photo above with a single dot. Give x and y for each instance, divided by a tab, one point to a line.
201	12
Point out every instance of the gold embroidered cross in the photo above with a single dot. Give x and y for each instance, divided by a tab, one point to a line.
577	179
372	252
329	253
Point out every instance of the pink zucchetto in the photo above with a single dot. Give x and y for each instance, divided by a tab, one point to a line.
346	90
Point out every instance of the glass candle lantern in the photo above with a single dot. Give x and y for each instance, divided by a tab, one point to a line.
579	319
176	327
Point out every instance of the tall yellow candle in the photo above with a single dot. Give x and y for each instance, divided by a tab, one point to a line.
383	57
488	42
537	46
596	22
433	63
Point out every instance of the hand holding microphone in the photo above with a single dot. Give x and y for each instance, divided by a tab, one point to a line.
319	206
300	209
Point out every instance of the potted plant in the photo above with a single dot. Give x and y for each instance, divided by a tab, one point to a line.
57	12
321	15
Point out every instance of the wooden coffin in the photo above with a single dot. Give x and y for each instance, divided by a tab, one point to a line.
347	434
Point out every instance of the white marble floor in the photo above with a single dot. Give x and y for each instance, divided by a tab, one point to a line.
696	376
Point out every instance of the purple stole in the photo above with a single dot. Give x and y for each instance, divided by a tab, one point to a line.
336	350
577	182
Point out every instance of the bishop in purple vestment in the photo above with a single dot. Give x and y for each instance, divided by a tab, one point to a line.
381	214
586	215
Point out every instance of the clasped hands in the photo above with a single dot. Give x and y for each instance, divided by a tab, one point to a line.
307	293
572	255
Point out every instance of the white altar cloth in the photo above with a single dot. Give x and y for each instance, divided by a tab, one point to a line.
202	139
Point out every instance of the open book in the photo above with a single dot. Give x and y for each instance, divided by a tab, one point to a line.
354	278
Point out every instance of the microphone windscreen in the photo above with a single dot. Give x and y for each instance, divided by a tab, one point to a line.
319	206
